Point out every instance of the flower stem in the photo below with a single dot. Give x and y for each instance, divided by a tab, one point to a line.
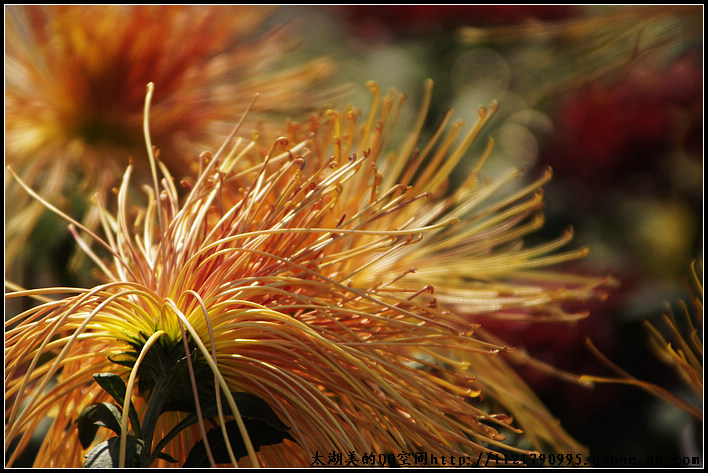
158	397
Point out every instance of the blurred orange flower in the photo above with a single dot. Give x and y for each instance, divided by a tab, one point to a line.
74	82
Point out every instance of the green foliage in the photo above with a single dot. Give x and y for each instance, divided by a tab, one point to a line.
114	385
261	433
261	422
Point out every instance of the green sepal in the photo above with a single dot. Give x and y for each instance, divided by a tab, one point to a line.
128	363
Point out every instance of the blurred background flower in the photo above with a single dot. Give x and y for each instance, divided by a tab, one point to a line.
75	80
677	341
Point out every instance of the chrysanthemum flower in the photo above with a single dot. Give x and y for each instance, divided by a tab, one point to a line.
330	277
74	81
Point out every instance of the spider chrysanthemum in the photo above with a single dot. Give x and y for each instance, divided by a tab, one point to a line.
325	275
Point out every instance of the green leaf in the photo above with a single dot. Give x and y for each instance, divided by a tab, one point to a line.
253	407
166	457
106	454
261	433
115	386
112	384
249	406
104	414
